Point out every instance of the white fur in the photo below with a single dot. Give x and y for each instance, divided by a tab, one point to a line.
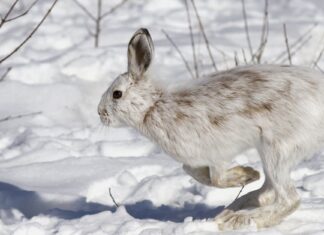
279	110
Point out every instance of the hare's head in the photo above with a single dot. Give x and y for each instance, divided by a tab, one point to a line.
131	94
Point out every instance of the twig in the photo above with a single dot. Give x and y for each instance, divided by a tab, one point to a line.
287	43
85	10
264	34
19	116
5	74
192	39
24	13
114	8
4	19
239	192
31	34
246	27
112	198
201	26
296	42
179	52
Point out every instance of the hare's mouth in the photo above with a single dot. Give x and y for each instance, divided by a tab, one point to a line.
104	120
104	117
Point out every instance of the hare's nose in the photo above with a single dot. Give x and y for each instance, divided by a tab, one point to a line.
102	112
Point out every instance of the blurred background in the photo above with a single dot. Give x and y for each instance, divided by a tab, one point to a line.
57	162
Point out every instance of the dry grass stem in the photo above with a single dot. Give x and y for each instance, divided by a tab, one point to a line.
287	43
264	34
244	56
300	40
246	27
318	58
236	59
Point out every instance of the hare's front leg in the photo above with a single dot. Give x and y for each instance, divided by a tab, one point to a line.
276	199
212	176
234	177
201	174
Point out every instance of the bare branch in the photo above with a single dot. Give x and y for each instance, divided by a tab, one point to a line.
88	13
4	75
31	34
192	39
19	116
112	198
264	34
114	8
4	19
246	26
24	13
98	23
287	43
201	26
179	52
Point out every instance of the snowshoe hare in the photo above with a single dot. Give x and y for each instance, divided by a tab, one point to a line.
279	110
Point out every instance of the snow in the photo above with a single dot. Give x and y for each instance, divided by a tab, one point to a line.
56	167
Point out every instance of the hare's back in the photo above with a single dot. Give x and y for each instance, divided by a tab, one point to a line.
261	89
255	89
253	84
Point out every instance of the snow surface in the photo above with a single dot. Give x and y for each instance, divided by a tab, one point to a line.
56	167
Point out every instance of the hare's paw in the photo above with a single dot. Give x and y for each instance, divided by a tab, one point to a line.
230	220
242	175
259	217
236	177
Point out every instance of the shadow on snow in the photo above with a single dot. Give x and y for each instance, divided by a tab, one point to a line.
30	204
146	210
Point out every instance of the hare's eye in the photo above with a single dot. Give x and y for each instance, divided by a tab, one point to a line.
117	94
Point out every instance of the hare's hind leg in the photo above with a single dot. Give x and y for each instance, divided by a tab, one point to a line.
212	176
275	200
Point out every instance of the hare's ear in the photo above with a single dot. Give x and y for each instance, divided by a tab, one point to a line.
140	53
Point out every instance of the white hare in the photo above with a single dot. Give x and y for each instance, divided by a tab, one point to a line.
279	110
